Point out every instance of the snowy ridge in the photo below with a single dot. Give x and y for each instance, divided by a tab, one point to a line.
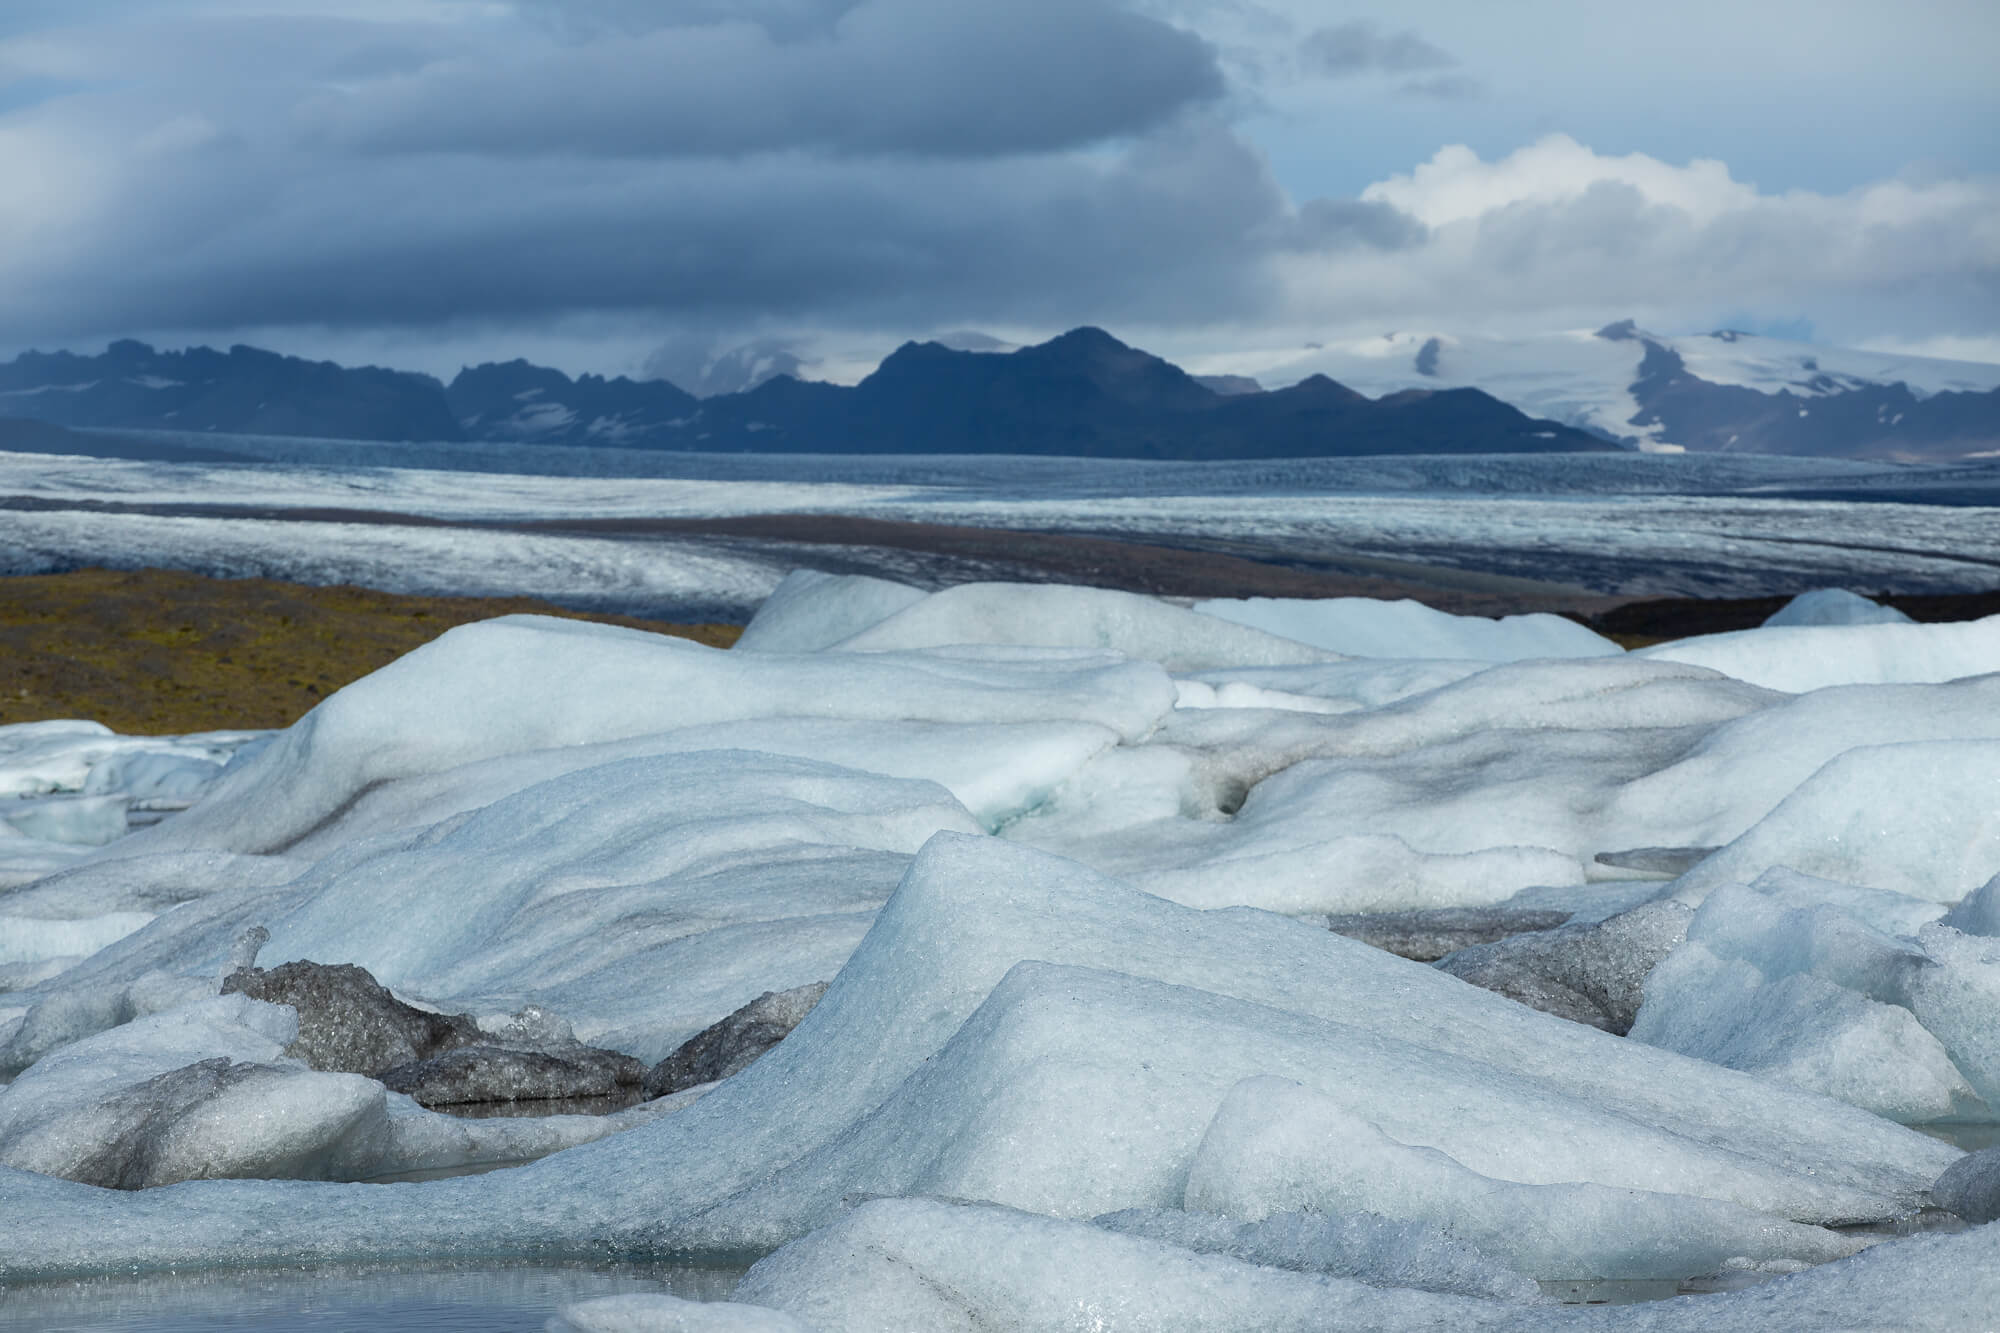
1770	364
1602	380
1573	377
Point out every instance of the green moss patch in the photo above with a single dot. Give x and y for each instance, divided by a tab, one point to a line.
157	652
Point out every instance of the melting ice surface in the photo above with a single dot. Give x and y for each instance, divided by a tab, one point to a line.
1090	1056
519	1298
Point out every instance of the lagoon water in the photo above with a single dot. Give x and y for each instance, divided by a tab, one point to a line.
496	1298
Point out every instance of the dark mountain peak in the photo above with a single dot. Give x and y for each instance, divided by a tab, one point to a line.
912	363
1325	387
1092	348
914	352
1086	338
1625	330
972	340
518	400
1085	370
496	379
788	388
587	380
1118	370
518	368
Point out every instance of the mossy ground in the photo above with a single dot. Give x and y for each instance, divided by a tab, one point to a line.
159	652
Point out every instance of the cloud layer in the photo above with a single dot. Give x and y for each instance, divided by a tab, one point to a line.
883	167
946	78
1557	227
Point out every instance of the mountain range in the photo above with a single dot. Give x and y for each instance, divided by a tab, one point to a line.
1084	393
1720	392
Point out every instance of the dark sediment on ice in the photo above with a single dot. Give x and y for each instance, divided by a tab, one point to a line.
734	1043
1591	973
1427	935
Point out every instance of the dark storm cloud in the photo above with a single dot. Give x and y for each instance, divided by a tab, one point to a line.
940	77
887	164
1362	48
1169	228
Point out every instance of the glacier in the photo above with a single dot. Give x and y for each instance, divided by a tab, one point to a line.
1089	1055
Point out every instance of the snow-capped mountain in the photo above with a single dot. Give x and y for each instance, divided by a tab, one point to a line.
517	401
1722	391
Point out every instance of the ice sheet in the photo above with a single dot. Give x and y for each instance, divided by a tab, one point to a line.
534	682
1087	618
1373	627
1687	526
1812	657
1277	1146
915	1264
812	610
894	1079
1780	977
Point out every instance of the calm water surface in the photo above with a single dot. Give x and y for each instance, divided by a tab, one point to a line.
343	1299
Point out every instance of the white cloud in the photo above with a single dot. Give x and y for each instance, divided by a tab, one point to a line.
1455	186
1555	234
51	189
1946	347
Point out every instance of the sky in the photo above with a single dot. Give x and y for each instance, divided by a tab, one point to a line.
635	186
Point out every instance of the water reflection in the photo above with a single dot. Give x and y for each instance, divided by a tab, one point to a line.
1635	1291
348	1298
1969	1135
544	1106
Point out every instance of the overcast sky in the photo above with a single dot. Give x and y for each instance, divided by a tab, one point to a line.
610	184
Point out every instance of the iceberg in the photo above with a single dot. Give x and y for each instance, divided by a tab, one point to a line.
909	1264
